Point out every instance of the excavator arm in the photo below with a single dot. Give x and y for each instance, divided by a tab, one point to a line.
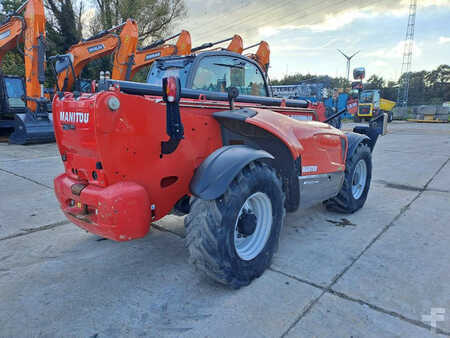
123	59
11	33
98	46
34	52
84	52
147	55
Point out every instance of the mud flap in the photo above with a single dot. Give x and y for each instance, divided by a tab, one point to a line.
32	129
377	126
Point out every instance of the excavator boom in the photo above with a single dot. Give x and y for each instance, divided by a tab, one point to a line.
123	59
11	33
96	47
147	55
82	53
34	51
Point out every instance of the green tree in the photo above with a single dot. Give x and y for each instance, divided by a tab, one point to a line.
374	82
63	25
154	17
8	7
13	61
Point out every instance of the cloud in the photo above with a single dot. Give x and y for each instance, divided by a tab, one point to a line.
394	52
211	20
214	19
444	40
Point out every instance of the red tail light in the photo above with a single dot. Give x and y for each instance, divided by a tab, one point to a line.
171	89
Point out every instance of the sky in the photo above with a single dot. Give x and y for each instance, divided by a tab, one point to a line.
304	35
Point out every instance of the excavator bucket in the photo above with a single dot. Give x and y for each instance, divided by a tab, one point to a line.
184	43
236	45
262	55
30	128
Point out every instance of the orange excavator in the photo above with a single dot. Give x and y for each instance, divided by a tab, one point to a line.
145	56
22	102
235	45
128	59
97	46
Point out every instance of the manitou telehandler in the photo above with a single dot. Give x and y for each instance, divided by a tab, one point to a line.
204	138
23	105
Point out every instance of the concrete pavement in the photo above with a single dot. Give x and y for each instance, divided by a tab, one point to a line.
378	272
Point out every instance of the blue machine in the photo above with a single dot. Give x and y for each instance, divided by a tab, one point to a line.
341	104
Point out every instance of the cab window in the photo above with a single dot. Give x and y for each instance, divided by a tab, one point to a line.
15	92
218	73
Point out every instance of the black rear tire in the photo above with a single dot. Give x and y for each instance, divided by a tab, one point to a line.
345	201
356	118
210	227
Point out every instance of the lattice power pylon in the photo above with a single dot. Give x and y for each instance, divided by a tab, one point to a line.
402	99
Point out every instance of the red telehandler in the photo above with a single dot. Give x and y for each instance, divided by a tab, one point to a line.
23	105
204	137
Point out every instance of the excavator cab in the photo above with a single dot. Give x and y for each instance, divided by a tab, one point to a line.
12	92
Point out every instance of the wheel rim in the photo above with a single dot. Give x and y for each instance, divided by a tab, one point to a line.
359	179
248	246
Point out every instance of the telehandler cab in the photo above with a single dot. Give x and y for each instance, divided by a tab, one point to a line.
203	137
23	105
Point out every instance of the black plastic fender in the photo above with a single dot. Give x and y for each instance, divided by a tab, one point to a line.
218	170
354	139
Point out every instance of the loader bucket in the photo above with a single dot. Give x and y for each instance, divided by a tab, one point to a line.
31	129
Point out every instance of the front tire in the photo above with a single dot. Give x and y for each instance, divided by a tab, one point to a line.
358	174
232	239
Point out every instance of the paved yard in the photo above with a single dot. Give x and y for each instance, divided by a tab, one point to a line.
379	272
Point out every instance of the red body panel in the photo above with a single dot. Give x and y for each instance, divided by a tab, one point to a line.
120	212
117	154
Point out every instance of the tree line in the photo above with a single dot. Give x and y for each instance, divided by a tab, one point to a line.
67	24
425	87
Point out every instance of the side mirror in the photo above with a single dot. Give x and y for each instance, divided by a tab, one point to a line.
233	93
